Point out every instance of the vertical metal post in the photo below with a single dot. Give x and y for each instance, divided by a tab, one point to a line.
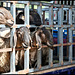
70	2
70	35
1	4
74	16
32	6
56	2
39	57
39	10
74	2
67	2
67	33
7	4
60	35
26	12
63	2
26	54
43	17
12	54
51	23
26	59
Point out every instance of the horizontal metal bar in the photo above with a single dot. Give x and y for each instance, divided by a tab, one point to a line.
55	9
2	25
36	69
23	71
17	49
73	43
20	25
6	50
47	4
66	44
54	68
56	65
18	72
67	63
34	3
73	61
22	2
43	4
56	45
48	69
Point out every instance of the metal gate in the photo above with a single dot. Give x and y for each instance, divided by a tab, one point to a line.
60	44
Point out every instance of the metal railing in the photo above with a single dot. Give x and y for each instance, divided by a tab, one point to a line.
60	37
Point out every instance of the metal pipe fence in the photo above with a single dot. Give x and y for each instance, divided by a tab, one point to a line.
60	44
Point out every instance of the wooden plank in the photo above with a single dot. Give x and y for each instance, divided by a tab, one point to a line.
6	50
